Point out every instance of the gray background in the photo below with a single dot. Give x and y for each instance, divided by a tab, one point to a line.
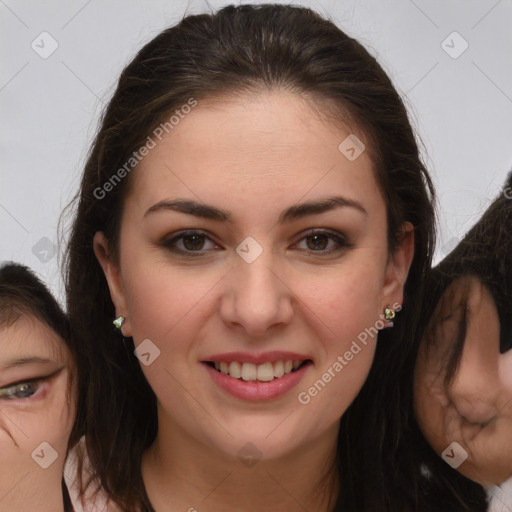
460	103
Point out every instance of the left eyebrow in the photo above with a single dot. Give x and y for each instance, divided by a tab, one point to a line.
23	361
294	212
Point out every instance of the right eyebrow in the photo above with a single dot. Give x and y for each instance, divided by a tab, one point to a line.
23	361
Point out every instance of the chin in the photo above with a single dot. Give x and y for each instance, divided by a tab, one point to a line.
255	444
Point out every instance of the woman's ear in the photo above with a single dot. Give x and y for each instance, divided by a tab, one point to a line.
398	266
113	276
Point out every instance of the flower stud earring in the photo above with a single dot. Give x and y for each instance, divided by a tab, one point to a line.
389	314
118	322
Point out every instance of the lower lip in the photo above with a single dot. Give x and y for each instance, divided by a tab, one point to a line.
257	390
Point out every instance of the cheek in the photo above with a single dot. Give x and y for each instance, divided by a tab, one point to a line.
338	381
158	302
344	307
23	430
345	322
24	426
347	299
14	462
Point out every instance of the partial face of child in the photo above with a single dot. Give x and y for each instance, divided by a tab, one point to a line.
37	411
467	418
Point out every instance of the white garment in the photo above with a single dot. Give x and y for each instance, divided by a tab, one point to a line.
92	502
501	497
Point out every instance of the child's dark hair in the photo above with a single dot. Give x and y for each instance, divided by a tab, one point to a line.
485	253
22	293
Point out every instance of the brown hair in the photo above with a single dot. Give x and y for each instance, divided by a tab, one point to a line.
236	50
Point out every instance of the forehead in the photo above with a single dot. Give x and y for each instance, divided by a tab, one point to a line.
271	145
29	337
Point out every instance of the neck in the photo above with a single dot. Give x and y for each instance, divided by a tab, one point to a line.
182	474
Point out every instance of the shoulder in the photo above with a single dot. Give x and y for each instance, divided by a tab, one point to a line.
94	499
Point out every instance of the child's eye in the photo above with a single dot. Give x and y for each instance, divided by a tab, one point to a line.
26	389
21	390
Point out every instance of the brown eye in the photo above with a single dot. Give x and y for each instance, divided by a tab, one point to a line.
193	242
324	242
188	243
317	242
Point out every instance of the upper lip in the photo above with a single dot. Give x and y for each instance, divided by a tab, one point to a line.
264	357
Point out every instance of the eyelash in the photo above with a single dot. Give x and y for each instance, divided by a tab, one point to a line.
171	243
11	391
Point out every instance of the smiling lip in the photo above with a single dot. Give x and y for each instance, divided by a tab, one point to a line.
256	390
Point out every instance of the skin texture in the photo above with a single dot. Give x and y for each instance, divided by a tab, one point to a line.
26	422
254	156
475	407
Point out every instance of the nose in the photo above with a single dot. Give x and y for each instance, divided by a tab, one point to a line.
258	297
475	387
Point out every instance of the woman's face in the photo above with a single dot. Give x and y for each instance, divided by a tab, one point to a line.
36	416
250	289
474	408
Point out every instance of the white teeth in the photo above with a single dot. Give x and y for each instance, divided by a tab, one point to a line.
235	369
265	372
249	371
279	369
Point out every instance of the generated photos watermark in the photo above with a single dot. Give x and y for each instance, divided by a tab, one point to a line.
137	156
304	397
